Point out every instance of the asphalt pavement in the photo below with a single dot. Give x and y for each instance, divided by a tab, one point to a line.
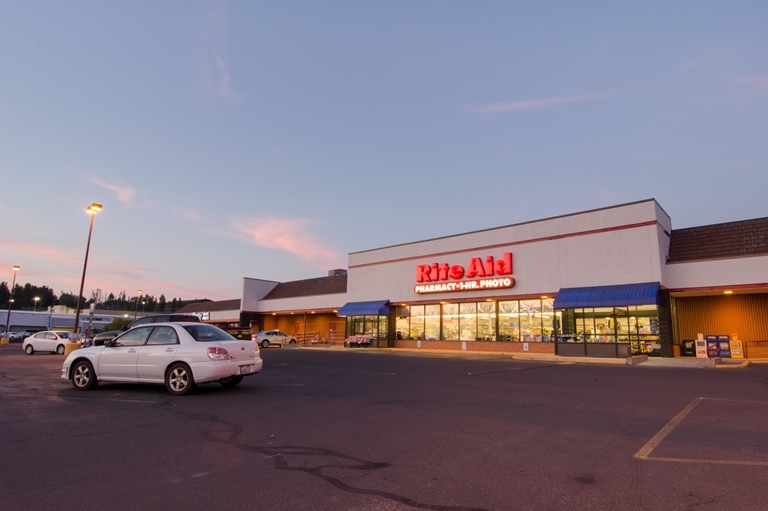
323	429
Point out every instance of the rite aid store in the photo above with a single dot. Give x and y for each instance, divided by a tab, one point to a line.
609	282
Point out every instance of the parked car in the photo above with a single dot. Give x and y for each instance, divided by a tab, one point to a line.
272	337
98	339
163	318
179	355
18	336
50	340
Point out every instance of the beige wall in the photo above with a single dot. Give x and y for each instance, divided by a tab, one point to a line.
305	327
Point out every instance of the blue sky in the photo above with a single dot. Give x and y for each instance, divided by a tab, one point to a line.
270	139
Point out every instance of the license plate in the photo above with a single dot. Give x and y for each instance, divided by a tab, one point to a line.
245	369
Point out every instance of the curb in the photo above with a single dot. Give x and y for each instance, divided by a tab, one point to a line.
678	362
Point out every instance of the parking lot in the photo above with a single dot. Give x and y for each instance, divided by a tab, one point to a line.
324	429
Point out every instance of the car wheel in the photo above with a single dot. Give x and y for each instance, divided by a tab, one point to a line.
60	349
83	377
29	350
265	343
292	341
231	381
179	380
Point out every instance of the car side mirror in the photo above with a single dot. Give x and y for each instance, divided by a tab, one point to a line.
109	344
125	328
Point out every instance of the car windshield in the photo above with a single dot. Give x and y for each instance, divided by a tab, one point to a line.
208	333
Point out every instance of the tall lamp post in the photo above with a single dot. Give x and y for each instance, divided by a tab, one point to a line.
8	317
91	210
136	312
36	299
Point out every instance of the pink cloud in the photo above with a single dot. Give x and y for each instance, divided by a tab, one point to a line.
760	81
533	104
682	70
62	272
189	214
291	236
223	89
124	194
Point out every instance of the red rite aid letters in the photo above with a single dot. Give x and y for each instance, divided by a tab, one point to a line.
439	273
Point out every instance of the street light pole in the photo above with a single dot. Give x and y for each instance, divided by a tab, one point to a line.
8	317
136	312
36	299
92	210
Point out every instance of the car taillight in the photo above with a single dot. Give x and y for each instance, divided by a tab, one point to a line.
218	354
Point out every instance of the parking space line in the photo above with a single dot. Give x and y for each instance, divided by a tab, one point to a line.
645	451
711	462
666	430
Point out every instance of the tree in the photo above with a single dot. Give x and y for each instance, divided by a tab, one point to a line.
70	300
5	293
97	296
161	304
117	324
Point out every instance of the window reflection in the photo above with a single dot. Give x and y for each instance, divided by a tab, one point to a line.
636	326
507	320
451	321
467	321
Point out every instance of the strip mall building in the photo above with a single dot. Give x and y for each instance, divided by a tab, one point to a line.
608	282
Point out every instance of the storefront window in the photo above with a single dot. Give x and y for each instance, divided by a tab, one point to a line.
509	321
605	325
383	326
432	322
402	323
417	322
486	321
530	320
372	326
547	320
451	321
634	325
467	321
355	325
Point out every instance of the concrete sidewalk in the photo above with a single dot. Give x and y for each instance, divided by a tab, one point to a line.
640	361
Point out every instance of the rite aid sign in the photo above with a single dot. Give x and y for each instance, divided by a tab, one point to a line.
442	277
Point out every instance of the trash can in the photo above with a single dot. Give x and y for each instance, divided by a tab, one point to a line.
688	348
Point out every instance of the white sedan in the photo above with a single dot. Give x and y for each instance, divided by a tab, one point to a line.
179	355
52	341
264	339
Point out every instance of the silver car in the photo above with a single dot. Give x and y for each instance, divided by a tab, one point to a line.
272	337
52	341
179	355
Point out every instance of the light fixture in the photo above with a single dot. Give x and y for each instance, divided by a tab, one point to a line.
10	299
136	311
729	292
91	210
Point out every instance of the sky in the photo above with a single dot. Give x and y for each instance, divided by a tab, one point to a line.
269	139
